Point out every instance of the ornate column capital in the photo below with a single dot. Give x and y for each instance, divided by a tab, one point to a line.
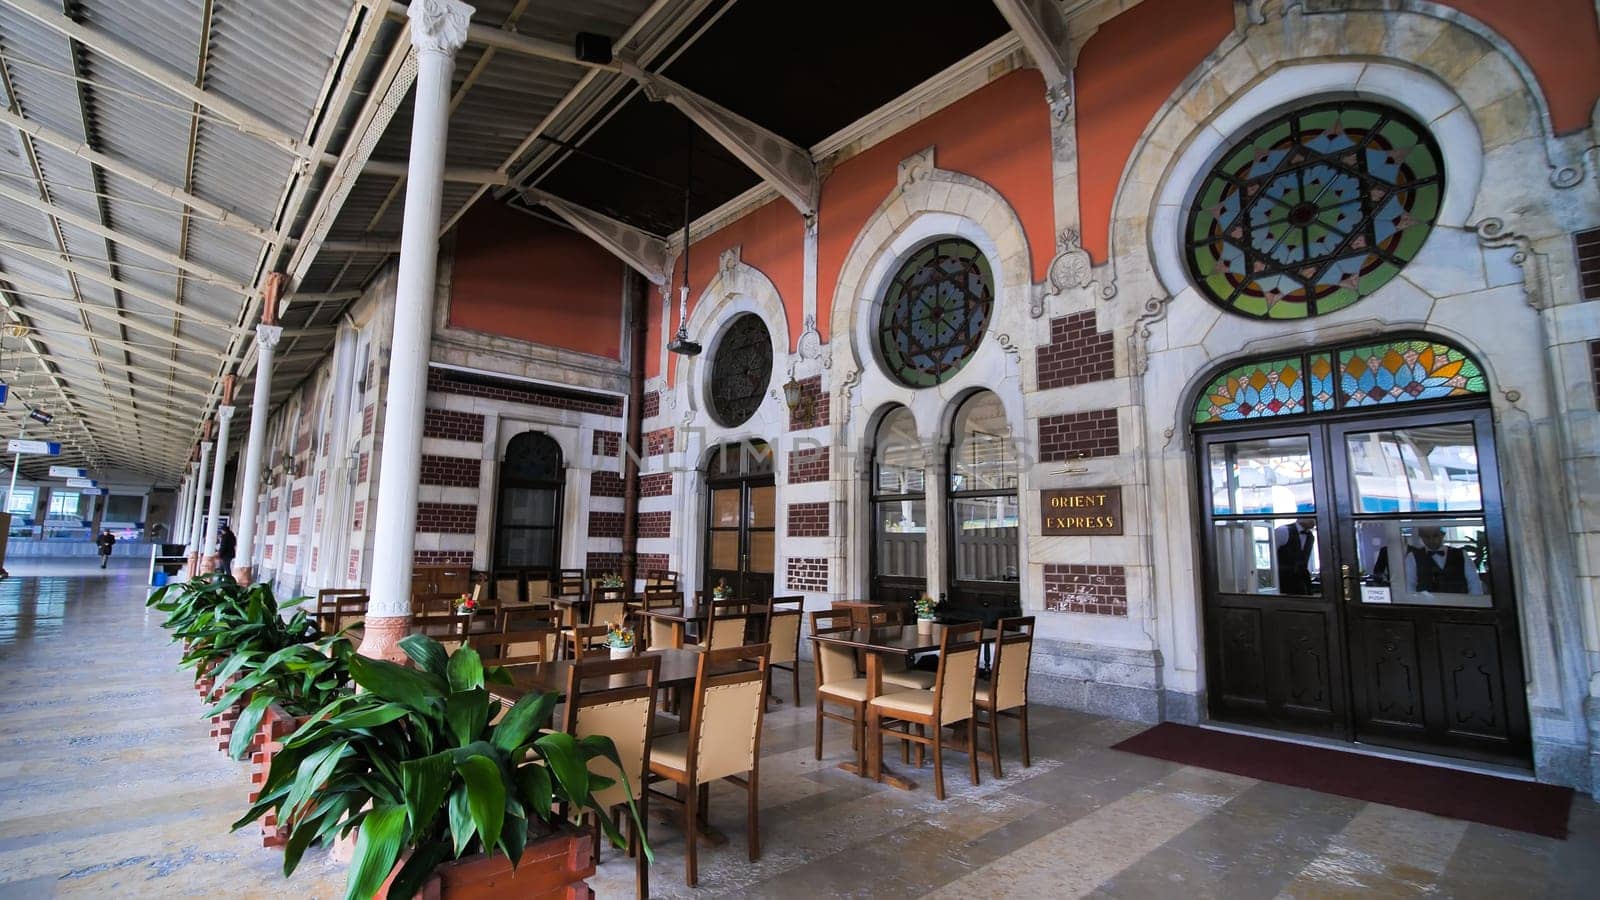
225	413
439	26
205	447
269	335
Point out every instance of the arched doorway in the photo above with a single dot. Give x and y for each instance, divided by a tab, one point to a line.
527	521
1357	582
741	520
984	534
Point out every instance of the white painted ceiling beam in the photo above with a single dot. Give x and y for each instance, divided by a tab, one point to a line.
89	273
41	292
394	168
643	252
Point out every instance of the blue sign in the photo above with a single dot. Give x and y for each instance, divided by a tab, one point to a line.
5	391
39	415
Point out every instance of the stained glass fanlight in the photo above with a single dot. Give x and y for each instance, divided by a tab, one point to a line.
741	370
1314	210
935	312
1397	371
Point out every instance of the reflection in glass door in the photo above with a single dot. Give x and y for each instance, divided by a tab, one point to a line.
528	516
741	521
983	514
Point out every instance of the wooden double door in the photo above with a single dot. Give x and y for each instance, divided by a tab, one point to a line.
741	535
1358	583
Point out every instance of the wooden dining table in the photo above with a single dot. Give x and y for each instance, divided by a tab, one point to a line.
876	643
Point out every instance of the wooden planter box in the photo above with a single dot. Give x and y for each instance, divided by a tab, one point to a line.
276	725
551	869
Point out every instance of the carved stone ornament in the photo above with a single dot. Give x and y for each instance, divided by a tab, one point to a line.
1072	269
916	167
730	259
847	390
810	341
1059	97
439	25
1493	233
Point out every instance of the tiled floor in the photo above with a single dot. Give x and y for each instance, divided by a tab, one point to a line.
108	789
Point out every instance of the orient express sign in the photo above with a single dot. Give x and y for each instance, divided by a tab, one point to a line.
1082	511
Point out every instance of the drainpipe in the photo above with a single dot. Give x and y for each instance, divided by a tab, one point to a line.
638	305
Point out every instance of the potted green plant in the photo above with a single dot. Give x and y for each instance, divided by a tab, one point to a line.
441	796
721	591
927	608
612	581
300	679
619	640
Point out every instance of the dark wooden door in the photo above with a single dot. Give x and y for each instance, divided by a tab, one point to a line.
741	520
1274	650
1435	654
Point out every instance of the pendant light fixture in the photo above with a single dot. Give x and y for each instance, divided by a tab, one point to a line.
681	344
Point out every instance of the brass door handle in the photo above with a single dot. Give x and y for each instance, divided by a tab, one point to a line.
1349	595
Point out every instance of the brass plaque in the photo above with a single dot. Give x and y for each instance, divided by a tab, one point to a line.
1082	511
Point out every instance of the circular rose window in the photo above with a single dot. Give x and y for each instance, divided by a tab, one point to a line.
935	312
1314	210
741	370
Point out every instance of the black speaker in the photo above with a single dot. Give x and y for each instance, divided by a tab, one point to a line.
593	48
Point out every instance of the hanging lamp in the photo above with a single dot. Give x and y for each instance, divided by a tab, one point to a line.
681	344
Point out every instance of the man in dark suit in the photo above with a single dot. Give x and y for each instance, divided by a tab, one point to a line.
1296	543
1437	568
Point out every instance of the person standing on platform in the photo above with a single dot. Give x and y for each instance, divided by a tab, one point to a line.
106	541
226	544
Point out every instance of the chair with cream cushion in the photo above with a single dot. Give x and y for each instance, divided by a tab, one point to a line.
837	682
949	703
624	715
723	742
783	633
1006	691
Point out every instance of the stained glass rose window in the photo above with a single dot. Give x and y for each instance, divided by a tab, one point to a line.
935	312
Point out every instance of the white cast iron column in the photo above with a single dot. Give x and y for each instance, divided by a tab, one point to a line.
199	509
180	522
255	451
438	29
214	513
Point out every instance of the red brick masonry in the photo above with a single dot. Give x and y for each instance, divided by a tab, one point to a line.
1084	435
1076	354
1097	590
808	465
808	519
808	573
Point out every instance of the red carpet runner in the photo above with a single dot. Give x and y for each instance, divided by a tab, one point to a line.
1502	802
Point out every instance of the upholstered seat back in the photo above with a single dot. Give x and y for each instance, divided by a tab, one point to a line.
1012	660
626	722
960	677
730	720
785	636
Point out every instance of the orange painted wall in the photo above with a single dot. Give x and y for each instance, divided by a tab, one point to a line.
1125	72
1560	40
999	134
519	277
770	238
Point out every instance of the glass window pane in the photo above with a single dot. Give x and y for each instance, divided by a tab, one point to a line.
984	458
1268	556
21	502
986	538
899	455
725	508
763	503
528	507
761	551
725	550
1403	371
1431	468
1442	561
527	546
901	529
1266	475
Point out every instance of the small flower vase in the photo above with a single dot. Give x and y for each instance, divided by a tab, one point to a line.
924	626
621	652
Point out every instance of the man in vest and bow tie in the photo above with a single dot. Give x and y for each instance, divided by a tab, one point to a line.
1436	568
1297	545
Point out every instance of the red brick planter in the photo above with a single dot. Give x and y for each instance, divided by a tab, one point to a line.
276	725
551	869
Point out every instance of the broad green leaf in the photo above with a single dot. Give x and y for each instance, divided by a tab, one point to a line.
372	718
408	881
426	652
486	797
566	764
383	832
313	772
529	714
461	826
425	782
514	838
466	712
397	683
247	725
465	669
533	783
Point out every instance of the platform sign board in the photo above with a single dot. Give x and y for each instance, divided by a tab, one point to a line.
40	416
5	391
94	492
68	472
82	482
35	448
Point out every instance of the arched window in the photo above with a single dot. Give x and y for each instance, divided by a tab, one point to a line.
1314	210
899	509
935	312
528	517
984	519
740	371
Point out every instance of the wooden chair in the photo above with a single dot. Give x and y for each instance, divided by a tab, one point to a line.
328	605
723	741
516	648
537	585
508	587
570	583
350	609
434	606
624	714
580	639
837	682
547	622
608	605
661	578
1006	691
783	633
949	703
723	631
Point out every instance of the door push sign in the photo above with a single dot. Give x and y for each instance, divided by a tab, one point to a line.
1082	511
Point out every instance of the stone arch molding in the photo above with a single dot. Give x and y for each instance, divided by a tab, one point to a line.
929	202
737	288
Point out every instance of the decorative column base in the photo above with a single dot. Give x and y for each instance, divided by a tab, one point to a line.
194	565
381	638
211	563
242	574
